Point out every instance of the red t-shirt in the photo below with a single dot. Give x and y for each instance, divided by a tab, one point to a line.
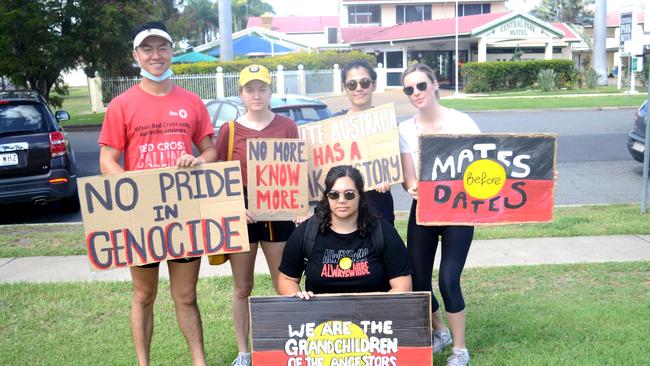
280	127
153	131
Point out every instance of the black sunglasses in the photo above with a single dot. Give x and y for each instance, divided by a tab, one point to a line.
352	84
335	195
421	87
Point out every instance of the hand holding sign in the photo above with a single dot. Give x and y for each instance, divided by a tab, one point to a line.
367	140
147	216
277	179
487	178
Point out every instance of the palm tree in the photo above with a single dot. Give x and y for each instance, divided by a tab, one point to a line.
242	9
201	21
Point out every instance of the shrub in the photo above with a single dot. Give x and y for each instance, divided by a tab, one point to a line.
504	75
591	78
546	80
311	61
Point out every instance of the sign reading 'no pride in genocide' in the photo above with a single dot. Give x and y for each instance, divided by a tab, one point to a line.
367	140
148	216
334	330
486	178
277	179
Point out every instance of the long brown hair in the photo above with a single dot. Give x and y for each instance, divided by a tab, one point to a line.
423	68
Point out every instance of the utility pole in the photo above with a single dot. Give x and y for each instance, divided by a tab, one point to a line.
225	30
599	55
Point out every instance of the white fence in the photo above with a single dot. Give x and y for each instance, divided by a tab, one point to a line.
220	84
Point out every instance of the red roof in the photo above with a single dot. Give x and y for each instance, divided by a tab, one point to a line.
614	18
423	29
568	32
296	24
429	29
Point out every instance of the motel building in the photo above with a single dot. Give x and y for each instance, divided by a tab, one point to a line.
399	32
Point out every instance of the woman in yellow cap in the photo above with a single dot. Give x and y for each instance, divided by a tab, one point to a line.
258	122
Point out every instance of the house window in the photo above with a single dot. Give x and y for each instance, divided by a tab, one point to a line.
364	14
332	35
413	13
473	9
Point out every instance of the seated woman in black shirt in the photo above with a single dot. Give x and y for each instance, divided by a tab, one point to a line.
343	256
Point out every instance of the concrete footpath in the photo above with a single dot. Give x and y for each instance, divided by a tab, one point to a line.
484	253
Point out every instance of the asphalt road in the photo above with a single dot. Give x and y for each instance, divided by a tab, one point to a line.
593	164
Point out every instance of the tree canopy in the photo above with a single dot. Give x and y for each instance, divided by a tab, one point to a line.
40	39
567	11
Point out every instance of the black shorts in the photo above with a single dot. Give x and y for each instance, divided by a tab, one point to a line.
271	231
181	260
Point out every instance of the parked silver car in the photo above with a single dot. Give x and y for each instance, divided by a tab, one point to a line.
297	107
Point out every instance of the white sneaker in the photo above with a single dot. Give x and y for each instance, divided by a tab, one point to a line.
243	359
440	340
459	357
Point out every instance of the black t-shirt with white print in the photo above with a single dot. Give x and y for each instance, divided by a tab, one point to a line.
343	263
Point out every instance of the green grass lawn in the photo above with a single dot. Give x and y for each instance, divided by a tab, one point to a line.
489	103
36	240
610	89
78	105
587	314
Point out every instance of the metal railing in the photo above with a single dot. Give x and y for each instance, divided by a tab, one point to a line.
220	84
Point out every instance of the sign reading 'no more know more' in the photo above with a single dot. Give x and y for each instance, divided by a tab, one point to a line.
377	329
277	179
367	140
147	216
486	178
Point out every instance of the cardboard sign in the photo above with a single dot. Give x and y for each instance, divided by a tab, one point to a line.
367	140
149	216
277	179
350	329
486	178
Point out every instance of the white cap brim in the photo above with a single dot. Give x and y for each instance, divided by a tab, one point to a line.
148	33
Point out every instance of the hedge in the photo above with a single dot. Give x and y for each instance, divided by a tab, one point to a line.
503	75
311	61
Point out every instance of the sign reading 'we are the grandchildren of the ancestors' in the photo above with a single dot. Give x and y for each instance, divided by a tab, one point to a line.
277	179
377	329
486	178
147	216
367	140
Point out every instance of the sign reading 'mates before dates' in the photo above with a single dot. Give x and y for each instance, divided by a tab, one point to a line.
147	216
378	329
367	140
486	178
277	179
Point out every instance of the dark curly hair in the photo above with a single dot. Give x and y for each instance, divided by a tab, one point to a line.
365	220
363	64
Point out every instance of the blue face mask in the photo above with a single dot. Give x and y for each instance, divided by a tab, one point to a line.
166	75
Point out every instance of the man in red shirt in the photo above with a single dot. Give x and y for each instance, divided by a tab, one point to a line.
154	125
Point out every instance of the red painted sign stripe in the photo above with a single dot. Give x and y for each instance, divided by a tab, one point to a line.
520	200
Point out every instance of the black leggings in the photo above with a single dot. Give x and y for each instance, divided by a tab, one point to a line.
422	242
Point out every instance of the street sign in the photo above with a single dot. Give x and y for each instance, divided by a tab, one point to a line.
625	30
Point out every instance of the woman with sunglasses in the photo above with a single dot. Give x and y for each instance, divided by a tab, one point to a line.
359	82
343	257
258	122
421	87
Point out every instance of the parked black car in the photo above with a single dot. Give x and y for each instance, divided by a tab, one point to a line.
37	163
300	109
636	137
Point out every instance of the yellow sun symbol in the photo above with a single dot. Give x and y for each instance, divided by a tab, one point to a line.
345	263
